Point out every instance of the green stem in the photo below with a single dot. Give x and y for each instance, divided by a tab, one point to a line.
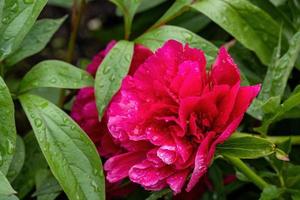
76	17
295	139
279	139
247	171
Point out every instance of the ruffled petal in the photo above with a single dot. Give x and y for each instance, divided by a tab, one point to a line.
117	167
177	180
224	69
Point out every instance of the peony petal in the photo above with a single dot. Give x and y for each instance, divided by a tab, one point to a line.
167	154
141	53
147	175
201	161
97	59
244	98
117	167
177	180
224	69
226	106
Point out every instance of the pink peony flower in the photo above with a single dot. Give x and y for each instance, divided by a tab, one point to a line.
170	114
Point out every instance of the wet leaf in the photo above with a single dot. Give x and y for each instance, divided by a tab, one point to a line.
157	37
111	72
250	25
36	40
72	157
16	20
246	147
7	128
5	187
34	161
17	161
57	74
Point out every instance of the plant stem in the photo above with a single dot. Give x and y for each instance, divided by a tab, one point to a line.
247	171
77	13
295	139
279	139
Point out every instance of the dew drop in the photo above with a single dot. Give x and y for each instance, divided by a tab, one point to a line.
14	7
95	186
5	20
38	122
53	80
112	77
106	69
10	147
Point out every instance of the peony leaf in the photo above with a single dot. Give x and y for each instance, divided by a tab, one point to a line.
5	187
7	128
72	157
159	194
34	161
17	161
47	187
35	40
111	72
146	4
278	73
178	7
128	8
10	197
57	74
271	192
17	18
156	38
250	25
246	147
291	102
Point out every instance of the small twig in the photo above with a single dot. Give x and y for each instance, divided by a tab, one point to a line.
77	13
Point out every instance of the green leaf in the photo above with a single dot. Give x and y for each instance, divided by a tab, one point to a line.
10	197
270	193
159	194
292	101
17	19
146	4
47	187
128	8
246	147
279	16
34	161
277	75
57	74
7	128
5	187
111	72
250	25
36	40
216	176
178	7
17	161
157	37
271	104
72	157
